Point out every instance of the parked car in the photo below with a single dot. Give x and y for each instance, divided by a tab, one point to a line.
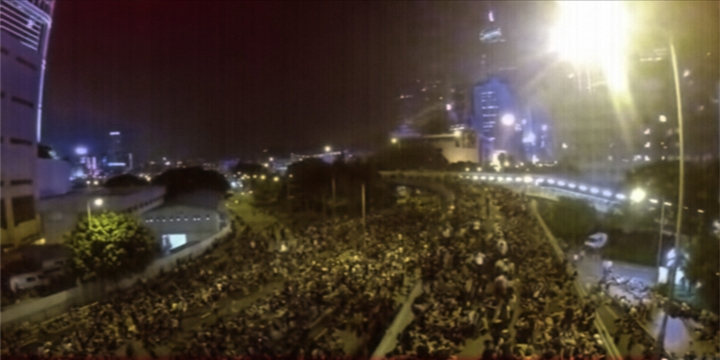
28	281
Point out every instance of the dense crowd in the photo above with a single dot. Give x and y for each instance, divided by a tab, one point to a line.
479	285
486	271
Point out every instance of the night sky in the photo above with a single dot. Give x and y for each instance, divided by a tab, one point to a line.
229	78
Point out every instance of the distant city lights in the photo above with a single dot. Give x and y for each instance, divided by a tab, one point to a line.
81	150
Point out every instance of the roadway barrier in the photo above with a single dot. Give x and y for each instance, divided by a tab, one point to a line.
403	318
546	186
41	309
613	352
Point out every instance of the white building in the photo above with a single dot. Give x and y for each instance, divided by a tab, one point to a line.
193	217
60	214
24	34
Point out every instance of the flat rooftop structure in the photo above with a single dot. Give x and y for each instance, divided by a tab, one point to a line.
116	199
59	214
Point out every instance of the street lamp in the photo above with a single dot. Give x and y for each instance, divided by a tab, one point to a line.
594	34
638	195
508	119
98	202
327	149
394	140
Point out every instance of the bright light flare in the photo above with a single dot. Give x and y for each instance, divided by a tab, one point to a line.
81	150
508	119
594	33
638	195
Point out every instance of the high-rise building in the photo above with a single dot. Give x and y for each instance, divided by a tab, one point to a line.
418	103
495	118
24	33
118	160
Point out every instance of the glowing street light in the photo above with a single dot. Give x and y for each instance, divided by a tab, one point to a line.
394	140
638	195
508	119
97	202
327	149
594	33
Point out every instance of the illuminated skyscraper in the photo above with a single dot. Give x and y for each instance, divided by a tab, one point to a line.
118	160
24	33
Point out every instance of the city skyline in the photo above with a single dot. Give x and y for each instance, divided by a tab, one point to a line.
329	75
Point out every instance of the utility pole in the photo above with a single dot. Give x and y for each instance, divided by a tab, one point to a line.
363	203
681	196
660	238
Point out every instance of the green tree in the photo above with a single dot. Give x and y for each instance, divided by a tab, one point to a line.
113	246
628	218
704	267
571	219
660	179
187	180
125	180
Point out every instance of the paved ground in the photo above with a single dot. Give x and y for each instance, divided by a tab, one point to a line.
257	220
679	333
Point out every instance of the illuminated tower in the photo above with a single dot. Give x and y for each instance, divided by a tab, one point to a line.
24	33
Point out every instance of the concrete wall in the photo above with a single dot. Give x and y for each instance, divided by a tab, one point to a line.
44	308
53	177
182	220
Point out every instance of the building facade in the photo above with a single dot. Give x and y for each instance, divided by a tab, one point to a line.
24	34
60	214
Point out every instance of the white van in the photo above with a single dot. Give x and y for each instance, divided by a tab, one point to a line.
28	281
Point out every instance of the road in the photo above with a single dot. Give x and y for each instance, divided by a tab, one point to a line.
197	317
679	333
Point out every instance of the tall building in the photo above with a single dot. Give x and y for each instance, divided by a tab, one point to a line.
118	160
24	34
418	103
495	118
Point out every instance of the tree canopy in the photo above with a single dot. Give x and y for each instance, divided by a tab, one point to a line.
113	246
660	179
187	180
571	219
125	180
704	267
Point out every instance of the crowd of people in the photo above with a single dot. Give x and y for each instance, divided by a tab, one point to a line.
480	285
486	272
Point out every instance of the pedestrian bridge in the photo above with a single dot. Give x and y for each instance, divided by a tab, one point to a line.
540	186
